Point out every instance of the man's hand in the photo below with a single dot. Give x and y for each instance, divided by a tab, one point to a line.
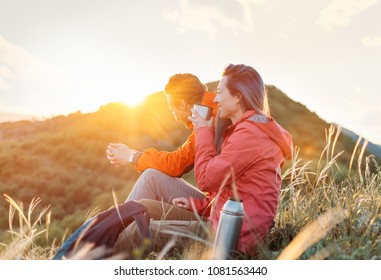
119	154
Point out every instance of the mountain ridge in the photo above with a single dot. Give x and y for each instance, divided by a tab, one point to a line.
6	117
14	117
372	147
296	124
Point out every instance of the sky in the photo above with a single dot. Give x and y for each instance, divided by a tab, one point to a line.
59	57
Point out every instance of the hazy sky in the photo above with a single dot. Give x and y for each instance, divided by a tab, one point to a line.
58	57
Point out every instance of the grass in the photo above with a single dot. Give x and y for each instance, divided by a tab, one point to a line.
326	211
24	241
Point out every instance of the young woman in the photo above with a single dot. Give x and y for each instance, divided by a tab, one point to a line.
248	143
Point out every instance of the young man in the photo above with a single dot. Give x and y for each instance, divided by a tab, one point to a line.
162	170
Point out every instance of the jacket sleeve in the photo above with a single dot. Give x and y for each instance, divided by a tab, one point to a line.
174	163
202	205
238	153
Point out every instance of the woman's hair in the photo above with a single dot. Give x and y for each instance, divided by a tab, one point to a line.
185	86
245	82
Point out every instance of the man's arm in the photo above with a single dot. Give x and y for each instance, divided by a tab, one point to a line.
174	163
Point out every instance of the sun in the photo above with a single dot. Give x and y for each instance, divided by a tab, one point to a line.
134	100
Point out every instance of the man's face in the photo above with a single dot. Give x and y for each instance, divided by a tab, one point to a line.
180	110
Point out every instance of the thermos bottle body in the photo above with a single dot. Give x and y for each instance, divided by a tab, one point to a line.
228	230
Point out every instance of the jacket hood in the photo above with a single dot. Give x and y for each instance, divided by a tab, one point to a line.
277	133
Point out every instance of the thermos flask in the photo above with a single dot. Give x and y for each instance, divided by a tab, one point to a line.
228	230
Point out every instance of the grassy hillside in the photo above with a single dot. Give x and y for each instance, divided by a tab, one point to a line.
62	160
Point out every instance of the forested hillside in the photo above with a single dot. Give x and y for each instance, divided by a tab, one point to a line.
62	160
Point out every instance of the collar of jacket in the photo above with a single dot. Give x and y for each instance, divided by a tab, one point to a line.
244	117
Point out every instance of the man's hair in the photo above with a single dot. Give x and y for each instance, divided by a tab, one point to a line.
185	86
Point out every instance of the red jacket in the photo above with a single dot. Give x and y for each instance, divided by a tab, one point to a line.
255	152
178	162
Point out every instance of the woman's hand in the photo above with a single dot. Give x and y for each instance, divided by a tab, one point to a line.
119	154
198	121
181	202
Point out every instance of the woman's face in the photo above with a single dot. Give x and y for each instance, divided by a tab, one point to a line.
228	104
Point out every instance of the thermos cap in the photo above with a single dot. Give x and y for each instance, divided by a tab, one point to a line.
233	207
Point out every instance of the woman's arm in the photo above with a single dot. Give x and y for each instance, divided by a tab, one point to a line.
238	154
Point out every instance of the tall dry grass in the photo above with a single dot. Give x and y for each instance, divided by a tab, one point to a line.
326	211
29	238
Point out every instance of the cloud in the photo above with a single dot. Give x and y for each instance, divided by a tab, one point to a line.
16	64
372	42
339	13
286	30
210	18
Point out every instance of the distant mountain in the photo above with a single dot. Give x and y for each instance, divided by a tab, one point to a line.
11	117
371	147
152	120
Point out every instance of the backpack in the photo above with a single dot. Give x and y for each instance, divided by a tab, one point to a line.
103	230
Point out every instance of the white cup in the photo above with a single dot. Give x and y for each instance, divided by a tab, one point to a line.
204	111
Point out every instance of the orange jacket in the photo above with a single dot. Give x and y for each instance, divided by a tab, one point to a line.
255	152
178	162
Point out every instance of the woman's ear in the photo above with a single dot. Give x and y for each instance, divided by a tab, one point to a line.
238	97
